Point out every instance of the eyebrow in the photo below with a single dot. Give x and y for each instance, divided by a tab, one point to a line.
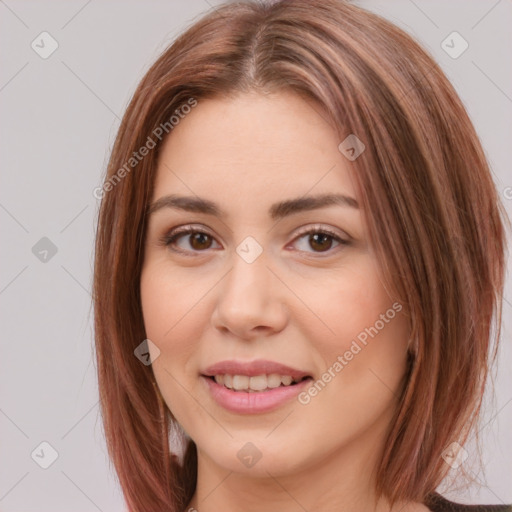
276	211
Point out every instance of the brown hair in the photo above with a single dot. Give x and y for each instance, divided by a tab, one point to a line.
433	216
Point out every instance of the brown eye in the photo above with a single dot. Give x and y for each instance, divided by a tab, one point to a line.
320	241
196	240
200	241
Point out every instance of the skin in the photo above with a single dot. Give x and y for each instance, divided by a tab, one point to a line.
299	303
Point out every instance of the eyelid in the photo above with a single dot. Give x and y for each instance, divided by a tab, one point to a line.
324	229
168	239
178	231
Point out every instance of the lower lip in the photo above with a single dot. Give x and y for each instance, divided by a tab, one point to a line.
242	402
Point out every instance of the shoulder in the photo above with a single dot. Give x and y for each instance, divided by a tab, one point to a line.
437	503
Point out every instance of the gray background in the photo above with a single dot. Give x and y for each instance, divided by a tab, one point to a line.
58	121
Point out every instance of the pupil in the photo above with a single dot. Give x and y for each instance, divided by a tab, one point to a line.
321	236
198	239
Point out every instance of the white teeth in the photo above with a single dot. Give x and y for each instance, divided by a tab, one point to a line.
258	383
273	380
287	380
240	382
255	383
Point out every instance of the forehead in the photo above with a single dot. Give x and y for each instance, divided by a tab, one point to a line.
252	150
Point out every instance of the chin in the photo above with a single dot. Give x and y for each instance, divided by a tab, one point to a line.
260	457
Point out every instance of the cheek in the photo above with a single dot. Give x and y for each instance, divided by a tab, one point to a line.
355	309
169	308
364	357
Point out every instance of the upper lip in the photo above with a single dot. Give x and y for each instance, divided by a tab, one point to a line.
252	369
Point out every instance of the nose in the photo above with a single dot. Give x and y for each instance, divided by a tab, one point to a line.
250	300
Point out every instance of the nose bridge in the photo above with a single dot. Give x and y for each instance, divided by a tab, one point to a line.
248	279
247	299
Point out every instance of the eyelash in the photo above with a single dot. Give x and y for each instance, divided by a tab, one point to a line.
170	239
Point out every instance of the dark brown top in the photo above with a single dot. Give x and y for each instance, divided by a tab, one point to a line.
438	503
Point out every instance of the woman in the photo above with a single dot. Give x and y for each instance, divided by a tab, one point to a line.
299	264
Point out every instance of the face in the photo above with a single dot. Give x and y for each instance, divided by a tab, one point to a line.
277	337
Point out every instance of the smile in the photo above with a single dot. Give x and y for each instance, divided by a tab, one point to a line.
253	387
255	384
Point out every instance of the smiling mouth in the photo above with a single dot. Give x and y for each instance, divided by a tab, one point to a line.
257	383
